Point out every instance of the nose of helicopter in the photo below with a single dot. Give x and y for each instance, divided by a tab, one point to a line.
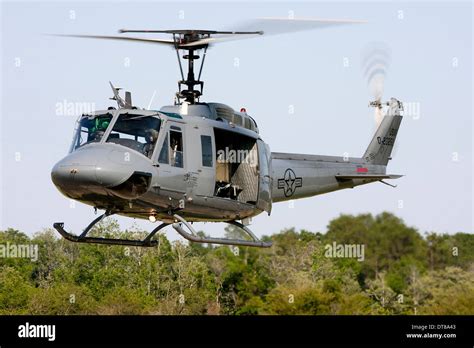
74	171
93	170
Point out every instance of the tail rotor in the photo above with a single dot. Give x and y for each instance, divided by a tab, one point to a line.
376	59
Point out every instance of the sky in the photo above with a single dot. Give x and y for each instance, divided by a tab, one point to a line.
306	91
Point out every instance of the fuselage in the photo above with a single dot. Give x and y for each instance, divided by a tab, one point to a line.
112	173
204	160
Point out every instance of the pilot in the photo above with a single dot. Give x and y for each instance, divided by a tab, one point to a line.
176	152
174	149
151	135
96	136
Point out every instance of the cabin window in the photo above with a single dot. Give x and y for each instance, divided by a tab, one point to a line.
206	149
136	132
237	120
248	123
91	129
163	158
176	148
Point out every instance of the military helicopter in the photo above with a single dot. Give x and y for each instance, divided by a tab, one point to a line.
199	161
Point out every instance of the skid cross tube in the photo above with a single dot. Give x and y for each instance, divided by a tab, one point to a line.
95	221
148	242
193	237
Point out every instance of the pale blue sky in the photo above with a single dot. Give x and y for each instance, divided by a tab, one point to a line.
302	69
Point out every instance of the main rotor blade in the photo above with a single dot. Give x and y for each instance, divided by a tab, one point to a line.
252	28
122	38
214	40
191	31
273	26
200	42
281	25
223	35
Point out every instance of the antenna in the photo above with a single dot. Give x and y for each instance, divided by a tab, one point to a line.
121	103
151	100
128	100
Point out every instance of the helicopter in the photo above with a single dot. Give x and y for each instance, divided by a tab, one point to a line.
198	161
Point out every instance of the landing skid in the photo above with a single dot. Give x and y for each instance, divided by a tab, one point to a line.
193	236
148	242
83	238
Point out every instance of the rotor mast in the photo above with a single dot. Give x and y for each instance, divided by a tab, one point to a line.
192	41
189	94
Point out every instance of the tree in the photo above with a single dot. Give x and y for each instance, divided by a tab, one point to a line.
401	273
15	291
386	240
449	291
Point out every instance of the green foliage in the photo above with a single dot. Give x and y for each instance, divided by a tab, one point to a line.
15	291
402	272
447	291
61	299
388	243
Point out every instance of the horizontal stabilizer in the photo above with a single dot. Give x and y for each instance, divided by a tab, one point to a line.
368	176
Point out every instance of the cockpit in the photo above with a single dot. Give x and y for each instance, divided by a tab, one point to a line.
135	129
90	129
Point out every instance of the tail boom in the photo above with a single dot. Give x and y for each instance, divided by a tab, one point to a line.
298	175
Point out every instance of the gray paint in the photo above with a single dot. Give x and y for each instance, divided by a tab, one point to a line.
98	174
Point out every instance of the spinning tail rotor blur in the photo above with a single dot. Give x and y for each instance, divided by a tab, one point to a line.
376	59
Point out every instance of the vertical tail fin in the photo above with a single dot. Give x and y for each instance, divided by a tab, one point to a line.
381	146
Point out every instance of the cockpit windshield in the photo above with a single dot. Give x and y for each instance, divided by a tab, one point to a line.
91	129
137	132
